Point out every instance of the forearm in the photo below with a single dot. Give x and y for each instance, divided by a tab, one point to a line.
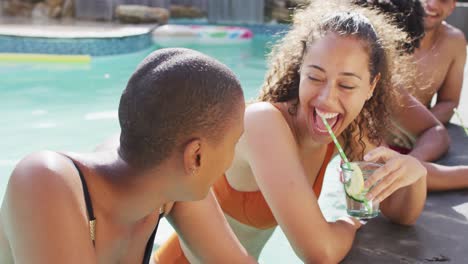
432	144
344	234
337	244
406	204
443	111
445	178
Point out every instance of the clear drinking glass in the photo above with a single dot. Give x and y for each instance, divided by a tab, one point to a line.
357	205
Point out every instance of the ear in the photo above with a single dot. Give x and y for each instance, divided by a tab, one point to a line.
454	4
373	85
192	156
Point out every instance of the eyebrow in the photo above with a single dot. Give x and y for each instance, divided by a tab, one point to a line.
342	73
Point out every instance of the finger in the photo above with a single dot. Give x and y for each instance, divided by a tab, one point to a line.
380	153
387	192
342	179
383	186
381	172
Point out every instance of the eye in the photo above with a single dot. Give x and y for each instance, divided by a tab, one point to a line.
314	79
349	87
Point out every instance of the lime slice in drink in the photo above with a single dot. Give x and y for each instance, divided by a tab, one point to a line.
355	187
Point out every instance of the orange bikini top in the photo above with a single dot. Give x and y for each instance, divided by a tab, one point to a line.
250	208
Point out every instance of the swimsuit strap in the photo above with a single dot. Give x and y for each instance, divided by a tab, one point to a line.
89	205
149	245
92	218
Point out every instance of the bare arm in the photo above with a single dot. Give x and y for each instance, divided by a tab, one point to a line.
448	96
273	156
205	235
432	138
43	219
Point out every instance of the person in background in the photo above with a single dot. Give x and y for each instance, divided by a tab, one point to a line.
440	59
415	129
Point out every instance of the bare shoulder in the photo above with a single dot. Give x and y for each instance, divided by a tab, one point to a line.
266	122
40	167
261	107
261	112
455	37
44	200
39	177
260	118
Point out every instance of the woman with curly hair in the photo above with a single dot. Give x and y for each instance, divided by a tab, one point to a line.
338	62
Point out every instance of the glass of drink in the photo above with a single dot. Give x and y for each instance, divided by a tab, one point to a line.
353	178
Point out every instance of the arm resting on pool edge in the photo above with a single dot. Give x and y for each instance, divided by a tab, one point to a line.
205	236
432	138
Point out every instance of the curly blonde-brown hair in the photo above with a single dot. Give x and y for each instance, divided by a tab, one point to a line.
380	38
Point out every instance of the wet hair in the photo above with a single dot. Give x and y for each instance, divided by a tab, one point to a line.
408	15
175	95
379	39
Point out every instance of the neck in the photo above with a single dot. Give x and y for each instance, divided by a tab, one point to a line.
125	194
430	38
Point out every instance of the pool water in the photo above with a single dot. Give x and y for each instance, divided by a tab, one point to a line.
73	108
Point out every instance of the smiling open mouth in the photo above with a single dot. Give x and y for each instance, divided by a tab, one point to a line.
431	14
332	120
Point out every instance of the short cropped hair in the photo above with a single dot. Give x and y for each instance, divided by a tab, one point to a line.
174	96
408	15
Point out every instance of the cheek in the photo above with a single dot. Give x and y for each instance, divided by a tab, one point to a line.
353	106
220	162
447	11
227	158
306	92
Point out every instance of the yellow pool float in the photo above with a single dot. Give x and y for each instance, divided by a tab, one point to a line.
44	58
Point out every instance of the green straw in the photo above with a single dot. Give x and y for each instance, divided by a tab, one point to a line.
461	121
343	156
337	144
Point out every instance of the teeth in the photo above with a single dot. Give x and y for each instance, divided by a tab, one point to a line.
429	13
325	114
322	130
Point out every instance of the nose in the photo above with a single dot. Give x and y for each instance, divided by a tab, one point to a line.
327	93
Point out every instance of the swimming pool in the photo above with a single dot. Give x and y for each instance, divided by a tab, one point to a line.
73	108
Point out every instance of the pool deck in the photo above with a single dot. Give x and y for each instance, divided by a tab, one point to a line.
71	37
440	234
24	27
